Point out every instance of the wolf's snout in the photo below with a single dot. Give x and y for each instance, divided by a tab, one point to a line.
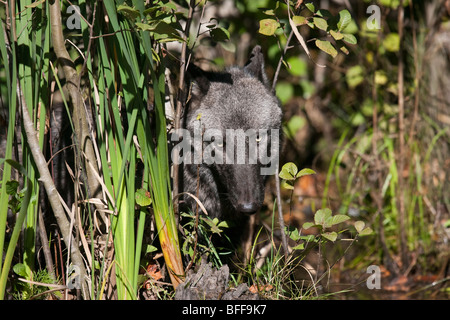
248	207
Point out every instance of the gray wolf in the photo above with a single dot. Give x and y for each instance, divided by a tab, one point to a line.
230	139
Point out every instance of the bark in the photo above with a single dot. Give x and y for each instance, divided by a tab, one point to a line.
52	193
80	116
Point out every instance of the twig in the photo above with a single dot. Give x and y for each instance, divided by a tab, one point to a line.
181	98
280	62
49	185
401	137
280	214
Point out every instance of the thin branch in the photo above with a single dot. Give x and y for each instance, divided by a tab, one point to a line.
280	62
401	137
52	193
82	135
181	98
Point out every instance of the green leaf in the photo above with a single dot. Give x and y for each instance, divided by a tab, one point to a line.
336	35
293	233
324	13
320	23
332	236
299	20
359	225
344	50
289	171
11	187
339	218
149	248
223	224
294	124
310	7
128	12
297	66
212	225
365	232
287	184
305	172
392	42
284	90
354	76
300	246
143	198
21	270
380	77
146	26
344	19
308	225
321	216
326	47
268	26
308	238
349	38
219	34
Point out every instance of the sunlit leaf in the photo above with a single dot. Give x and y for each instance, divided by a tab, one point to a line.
349	38
305	172
320	23
143	198
310	7
336	35
359	225
344	19
300	246
339	218
327	47
392	42
308	225
365	232
332	236
299	20
288	171
268	26
322	215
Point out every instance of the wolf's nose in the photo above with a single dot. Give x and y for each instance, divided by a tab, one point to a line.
247	207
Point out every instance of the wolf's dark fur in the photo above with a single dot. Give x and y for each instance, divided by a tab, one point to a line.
239	98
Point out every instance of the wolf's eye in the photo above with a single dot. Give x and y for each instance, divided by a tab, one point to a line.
258	138
219	144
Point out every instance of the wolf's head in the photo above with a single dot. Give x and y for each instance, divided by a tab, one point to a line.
236	120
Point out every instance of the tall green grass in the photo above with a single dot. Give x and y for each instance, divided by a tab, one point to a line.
123	76
26	71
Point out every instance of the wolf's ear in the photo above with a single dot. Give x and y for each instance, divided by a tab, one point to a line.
199	80
255	65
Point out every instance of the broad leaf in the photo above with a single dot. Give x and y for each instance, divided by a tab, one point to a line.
344	19
332	236
299	20
359	225
300	246
143	198
349	38
321	216
288	171
305	172
336	35
310	7
268	26
366	232
333	220
308	225
219	34
320	23
327	47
